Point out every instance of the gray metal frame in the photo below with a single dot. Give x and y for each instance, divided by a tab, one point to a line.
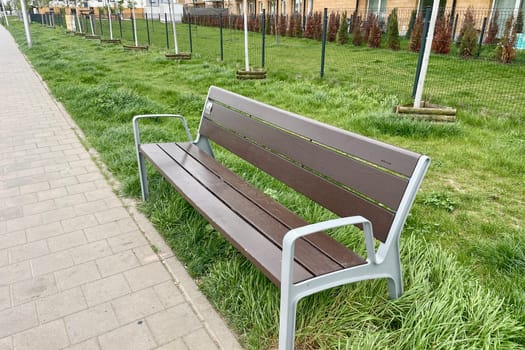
385	263
140	158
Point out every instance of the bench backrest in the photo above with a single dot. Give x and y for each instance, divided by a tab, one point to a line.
346	173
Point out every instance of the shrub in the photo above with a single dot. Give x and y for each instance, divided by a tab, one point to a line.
374	38
282	25
357	34
309	31
493	30
367	25
342	32
442	36
411	24
505	50
291	26
392	33
333	26
417	33
318	26
298	29
519	22
468	35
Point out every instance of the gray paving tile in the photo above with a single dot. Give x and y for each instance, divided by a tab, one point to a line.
90	323
117	263
136	306
173	323
146	276
6	343
77	275
28	251
106	289
134	336
34	288
48	336
60	305
17	319
5	298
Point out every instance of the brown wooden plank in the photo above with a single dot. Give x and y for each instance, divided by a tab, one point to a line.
394	158
255	247
338	252
342	203
308	256
373	182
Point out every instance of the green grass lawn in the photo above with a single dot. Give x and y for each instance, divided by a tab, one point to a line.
463	248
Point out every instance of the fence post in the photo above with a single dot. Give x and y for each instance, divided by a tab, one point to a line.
147	29
455	27
100	22
263	36
166	27
220	34
120	25
189	32
133	29
428	12
482	35
323	45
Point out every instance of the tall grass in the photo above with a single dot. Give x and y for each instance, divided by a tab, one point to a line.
462	248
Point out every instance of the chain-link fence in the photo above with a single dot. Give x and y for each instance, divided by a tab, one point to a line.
357	49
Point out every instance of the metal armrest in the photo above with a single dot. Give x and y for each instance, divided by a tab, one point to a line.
293	235
140	158
138	117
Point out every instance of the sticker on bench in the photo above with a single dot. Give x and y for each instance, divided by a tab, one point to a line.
208	108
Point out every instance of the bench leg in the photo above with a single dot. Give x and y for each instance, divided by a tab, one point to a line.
287	321
143	176
395	281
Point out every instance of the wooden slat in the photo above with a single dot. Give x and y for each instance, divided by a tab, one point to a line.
332	197
338	252
261	252
371	181
393	158
307	255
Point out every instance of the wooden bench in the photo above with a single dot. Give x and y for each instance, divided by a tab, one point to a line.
365	182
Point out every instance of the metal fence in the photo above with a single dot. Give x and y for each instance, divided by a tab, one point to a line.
293	45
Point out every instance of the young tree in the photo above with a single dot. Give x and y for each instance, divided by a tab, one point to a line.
505	50
374	38
333	26
367	25
442	36
417	33
342	33
519	22
468	35
357	34
392	32
493	30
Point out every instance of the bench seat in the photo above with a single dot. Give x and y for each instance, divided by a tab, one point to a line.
252	221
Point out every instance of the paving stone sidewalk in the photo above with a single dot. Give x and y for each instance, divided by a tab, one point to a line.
77	270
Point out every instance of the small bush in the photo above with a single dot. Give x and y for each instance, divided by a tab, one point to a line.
505	50
333	26
417	33
493	30
318	26
519	22
309	30
468	36
282	26
291	26
367	25
392	33
342	33
357	34
374	38
442	36
298	29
